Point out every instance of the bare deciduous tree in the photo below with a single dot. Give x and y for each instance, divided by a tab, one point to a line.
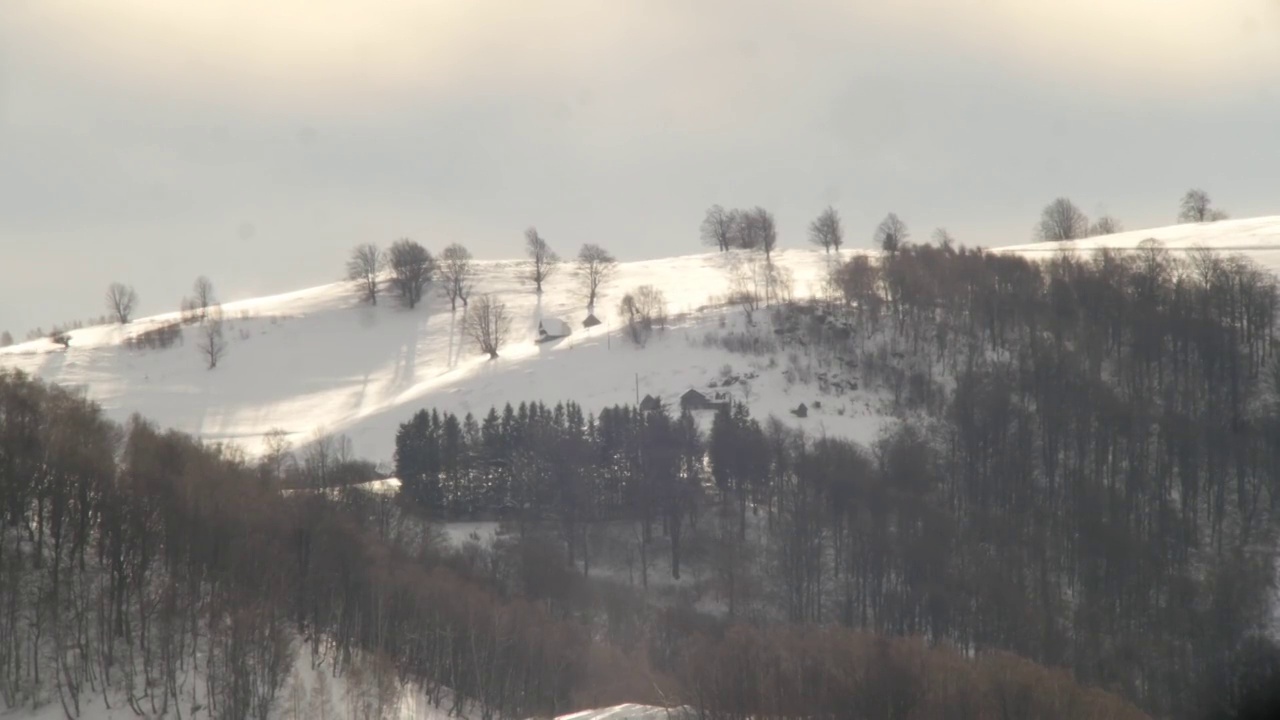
365	264
595	266
718	228
203	297
277	455
748	278
943	239
544	260
121	300
891	234
456	272
1105	225
6	339
212	344
488	324
1062	220
644	309
1197	207
411	269
756	228
826	230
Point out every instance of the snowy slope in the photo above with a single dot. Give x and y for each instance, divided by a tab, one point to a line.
1256	238
319	360
632	712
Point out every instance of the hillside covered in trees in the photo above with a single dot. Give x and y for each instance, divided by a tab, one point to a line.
1083	471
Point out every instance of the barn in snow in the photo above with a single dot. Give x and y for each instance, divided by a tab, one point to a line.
552	329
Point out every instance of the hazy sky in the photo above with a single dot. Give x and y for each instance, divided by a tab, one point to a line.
254	141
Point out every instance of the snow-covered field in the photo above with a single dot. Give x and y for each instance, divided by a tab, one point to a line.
1255	238
319	360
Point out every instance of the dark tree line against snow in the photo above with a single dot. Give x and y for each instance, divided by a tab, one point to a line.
743	229
141	555
1097	490
137	558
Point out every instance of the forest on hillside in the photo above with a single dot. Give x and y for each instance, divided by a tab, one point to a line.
1074	515
1085	470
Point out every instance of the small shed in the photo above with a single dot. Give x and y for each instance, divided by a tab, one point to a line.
650	404
552	329
694	400
591	321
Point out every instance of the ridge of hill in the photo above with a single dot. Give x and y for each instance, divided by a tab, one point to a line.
318	360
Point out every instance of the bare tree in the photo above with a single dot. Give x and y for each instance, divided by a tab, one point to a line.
411	269
891	234
1062	220
212	344
741	232
121	300
748	279
759	230
456	273
718	228
6	339
1105	225
826	231
943	239
365	264
488	324
644	309
1197	207
202	298
277	454
595	266
545	260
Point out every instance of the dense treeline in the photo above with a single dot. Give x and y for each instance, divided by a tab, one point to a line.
1086	473
142	567
1099	489
140	563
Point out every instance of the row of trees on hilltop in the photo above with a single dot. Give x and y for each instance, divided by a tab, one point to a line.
412	268
1060	220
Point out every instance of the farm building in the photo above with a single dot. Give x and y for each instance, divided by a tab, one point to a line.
552	329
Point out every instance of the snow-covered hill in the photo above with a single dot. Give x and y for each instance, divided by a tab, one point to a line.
320	360
1255	238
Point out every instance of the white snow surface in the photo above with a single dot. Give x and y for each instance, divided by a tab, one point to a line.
320	360
1255	238
632	712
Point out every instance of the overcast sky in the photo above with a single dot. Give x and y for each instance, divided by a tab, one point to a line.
150	141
